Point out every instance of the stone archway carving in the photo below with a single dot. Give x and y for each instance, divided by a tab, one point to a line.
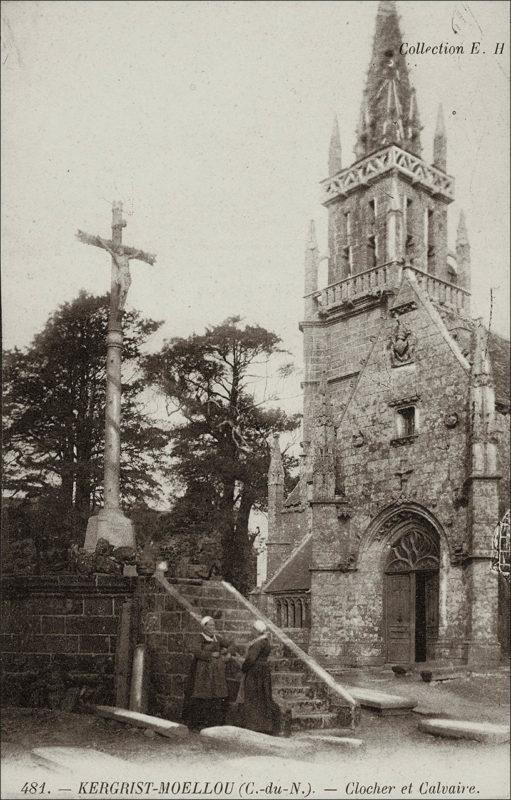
397	519
415	550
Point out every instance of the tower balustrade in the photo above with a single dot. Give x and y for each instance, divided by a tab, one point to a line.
387	277
363	172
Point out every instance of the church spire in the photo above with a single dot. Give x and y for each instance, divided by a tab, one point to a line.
362	129
335	153
277	549
311	270
483	442
463	253
440	142
414	124
276	468
461	233
388	93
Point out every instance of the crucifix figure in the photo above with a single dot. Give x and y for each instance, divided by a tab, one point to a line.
121	256
111	524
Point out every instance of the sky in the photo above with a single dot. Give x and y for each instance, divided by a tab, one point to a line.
211	122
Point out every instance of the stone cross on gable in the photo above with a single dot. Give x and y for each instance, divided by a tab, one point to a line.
403	473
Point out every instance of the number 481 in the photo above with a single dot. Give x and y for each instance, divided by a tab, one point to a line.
33	788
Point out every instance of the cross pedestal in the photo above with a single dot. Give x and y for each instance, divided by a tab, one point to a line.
112	525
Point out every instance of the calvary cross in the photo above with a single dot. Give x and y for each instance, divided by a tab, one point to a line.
111	524
121	256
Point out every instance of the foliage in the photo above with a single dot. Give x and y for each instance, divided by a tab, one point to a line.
220	444
54	405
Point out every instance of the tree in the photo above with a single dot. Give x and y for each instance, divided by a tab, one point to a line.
54	404
220	445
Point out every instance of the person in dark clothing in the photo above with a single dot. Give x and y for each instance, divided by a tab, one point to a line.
254	707
206	693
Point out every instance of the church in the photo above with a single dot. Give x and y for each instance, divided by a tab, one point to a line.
382	552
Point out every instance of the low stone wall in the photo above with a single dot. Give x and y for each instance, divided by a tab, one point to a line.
60	632
62	648
166	628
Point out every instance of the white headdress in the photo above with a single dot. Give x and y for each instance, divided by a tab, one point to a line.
204	621
259	626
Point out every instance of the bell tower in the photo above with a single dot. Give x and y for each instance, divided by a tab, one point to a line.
387	220
390	204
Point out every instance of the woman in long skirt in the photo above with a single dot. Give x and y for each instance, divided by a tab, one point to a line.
255	708
206	693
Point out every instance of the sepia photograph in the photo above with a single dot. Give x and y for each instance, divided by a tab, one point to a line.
255	532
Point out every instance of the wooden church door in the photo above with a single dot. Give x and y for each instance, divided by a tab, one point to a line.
411	597
399	613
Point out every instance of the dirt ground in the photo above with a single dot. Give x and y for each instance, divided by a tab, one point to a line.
480	696
396	759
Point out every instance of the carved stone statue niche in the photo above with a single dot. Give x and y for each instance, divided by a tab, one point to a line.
402	346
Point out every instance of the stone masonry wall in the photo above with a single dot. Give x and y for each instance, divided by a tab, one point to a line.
502	428
166	629
60	631
347	612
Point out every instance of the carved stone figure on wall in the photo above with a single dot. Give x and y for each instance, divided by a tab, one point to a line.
348	563
402	346
358	439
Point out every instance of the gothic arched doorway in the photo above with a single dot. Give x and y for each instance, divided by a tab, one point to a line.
411	596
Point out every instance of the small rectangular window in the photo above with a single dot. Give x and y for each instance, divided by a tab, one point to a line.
372	255
348	260
347	224
408	218
408	227
372	211
430	240
406	421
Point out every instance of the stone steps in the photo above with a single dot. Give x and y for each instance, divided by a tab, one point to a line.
282	678
290	693
305	706
286	664
211	602
296	687
313	720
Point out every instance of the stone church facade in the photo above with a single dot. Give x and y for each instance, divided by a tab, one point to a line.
382	551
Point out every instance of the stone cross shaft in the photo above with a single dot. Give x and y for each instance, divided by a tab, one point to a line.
111	520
